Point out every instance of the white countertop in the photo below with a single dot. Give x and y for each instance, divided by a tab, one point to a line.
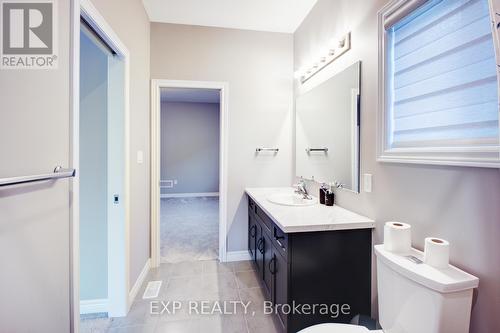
307	218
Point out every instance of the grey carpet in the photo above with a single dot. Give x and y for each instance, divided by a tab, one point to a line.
189	229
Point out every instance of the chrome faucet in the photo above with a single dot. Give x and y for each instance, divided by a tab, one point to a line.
301	189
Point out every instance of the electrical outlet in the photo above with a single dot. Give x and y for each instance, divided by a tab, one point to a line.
175	181
367	182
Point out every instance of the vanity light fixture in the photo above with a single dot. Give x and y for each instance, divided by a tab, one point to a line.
343	45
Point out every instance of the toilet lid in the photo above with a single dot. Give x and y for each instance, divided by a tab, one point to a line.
335	328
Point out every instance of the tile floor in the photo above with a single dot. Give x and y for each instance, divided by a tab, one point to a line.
189	229
196	281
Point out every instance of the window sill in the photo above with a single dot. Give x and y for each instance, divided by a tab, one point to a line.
487	158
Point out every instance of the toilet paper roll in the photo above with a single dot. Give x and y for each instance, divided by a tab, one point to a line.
397	237
436	252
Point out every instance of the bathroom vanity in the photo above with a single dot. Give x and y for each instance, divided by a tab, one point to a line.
308	255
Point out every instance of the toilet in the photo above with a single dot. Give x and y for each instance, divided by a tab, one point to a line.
414	297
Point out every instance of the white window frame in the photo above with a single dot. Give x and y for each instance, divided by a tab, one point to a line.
477	156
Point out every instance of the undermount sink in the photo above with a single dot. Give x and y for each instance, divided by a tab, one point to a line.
291	199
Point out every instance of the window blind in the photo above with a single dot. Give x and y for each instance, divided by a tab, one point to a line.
443	85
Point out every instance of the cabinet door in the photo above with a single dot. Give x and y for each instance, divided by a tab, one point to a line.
268	262
279	269
259	249
252	236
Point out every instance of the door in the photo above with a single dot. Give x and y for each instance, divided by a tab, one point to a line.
259	245
252	233
35	224
267	263
280	283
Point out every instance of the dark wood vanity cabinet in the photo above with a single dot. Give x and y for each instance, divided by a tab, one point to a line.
252	234
326	268
280	287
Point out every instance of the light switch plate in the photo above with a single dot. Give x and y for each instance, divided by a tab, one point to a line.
367	182
140	157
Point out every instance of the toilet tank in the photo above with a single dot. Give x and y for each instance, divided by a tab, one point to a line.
414	297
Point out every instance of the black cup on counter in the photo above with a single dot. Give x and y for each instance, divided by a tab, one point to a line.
329	198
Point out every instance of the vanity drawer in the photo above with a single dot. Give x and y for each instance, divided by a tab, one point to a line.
268	223
280	240
265	227
251	206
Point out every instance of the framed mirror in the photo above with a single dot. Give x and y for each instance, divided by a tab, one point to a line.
327	130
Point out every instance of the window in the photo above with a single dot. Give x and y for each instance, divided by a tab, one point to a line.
439	90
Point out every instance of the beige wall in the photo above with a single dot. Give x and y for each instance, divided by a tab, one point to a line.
258	67
456	203
129	21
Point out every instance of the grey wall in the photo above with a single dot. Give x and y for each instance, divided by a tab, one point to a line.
456	203
34	219
129	21
258	67
190	146
93	160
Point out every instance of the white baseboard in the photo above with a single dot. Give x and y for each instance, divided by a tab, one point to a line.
189	195
140	280
94	306
237	256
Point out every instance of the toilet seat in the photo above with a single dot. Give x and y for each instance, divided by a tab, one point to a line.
337	328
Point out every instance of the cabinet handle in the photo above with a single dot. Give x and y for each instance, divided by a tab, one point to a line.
278	241
272	263
253	229
260	245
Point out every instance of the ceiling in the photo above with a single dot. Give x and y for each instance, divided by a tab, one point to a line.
186	95
261	15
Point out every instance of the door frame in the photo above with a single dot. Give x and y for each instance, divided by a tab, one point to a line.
156	85
118	292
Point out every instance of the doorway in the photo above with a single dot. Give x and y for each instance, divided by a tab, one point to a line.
94	175
188	181
100	154
189	174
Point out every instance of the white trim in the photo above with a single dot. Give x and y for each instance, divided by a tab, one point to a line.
94	306
479	156
155	160
495	18
189	195
74	243
355	148
238	256
431	160
398	9
139	282
98	23
120	278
